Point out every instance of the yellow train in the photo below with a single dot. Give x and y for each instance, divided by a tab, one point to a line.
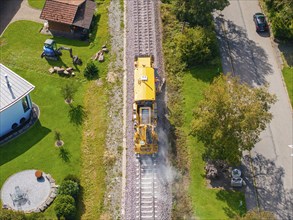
146	86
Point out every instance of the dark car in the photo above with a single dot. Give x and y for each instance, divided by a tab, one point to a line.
260	21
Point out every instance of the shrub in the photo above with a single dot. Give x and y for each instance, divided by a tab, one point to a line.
65	207
11	215
197	45
68	90
72	178
69	187
91	71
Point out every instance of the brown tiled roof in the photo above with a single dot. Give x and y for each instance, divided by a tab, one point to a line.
61	11
71	2
85	14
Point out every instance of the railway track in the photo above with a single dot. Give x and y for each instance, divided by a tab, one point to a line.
143	27
146	188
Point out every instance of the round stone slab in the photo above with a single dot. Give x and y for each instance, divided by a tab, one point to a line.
23	191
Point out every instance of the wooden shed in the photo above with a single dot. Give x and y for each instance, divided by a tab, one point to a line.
69	18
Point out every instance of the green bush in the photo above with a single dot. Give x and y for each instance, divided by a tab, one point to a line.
73	178
69	187
65	206
91	71
15	215
280	13
197	45
11	215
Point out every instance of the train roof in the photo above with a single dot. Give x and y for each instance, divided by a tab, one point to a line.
144	61
144	84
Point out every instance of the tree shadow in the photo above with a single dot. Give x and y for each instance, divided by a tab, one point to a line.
64	154
234	204
21	144
249	61
271	193
77	114
286	47
206	73
81	209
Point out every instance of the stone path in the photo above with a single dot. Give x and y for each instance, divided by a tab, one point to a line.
24	192
14	10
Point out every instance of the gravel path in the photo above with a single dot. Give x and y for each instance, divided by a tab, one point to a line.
115	112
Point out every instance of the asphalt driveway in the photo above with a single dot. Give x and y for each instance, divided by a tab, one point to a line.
252	57
13	10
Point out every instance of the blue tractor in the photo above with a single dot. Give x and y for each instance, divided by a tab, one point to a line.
51	52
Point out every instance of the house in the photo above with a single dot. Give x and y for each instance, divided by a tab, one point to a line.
15	101
69	18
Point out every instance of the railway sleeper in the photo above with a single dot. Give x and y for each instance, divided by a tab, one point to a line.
147	211
147	207
147	217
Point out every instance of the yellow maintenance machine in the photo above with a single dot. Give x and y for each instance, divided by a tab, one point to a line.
145	107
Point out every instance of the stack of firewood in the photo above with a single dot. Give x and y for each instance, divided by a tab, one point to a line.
60	70
100	54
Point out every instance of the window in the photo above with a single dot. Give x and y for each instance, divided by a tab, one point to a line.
25	104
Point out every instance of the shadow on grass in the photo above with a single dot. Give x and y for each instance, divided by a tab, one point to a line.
235	202
64	154
94	27
23	143
77	114
81	209
287	50
204	73
62	41
58	62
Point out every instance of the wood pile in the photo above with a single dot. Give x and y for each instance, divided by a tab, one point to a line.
62	71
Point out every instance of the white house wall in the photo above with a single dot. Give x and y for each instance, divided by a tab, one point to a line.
12	115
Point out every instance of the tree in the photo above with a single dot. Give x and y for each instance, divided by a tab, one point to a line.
197	45
68	90
65	207
91	71
198	12
281	16
230	118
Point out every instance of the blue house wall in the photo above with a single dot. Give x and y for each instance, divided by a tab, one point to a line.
13	114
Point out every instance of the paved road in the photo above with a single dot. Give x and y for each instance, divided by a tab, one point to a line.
13	10
252	57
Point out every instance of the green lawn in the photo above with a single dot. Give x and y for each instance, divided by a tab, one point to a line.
36	3
207	203
21	47
288	76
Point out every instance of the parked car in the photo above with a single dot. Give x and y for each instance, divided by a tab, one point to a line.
261	23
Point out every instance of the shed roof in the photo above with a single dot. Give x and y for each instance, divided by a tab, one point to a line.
71	2
12	87
60	10
85	14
